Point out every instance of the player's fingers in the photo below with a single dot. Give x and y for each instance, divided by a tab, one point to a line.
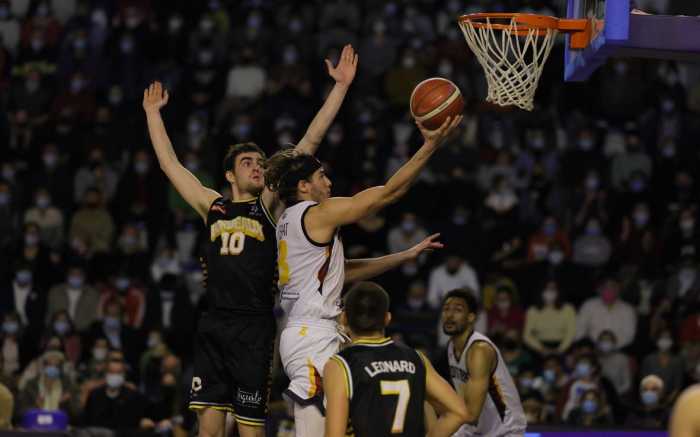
433	236
166	96
355	58
445	125
329	65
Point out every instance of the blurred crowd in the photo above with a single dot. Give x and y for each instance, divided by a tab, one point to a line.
575	225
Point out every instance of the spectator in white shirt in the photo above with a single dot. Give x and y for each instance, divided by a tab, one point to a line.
455	272
246	80
607	313
49	218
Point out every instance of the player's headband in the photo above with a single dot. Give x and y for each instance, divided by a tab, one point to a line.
309	164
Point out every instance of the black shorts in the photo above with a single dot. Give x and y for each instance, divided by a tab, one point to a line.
232	365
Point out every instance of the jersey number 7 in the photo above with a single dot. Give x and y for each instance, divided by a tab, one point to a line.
403	391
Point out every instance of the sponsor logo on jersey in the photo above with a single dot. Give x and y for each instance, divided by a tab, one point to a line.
218	208
196	384
248	226
458	373
249	398
395	366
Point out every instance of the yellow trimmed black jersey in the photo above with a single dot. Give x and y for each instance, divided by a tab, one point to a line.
385	384
240	257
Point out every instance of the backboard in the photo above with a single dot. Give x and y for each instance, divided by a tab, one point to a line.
617	32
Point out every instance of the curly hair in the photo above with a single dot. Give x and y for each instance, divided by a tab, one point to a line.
284	171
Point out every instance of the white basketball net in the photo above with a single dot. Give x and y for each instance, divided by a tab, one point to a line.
512	58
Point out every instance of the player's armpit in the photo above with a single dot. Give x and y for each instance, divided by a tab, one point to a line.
443	399
337	402
481	360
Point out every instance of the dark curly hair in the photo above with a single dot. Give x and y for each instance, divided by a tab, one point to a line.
284	171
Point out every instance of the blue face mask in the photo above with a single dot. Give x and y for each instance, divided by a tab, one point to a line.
10	327
75	282
549	375
61	327
550	229
112	323
583	370
52	372
589	406
650	397
23	277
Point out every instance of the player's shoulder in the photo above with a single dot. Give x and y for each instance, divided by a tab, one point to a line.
483	347
219	206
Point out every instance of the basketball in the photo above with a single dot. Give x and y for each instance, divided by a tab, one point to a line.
435	99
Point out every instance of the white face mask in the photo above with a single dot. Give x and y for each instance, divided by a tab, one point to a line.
114	380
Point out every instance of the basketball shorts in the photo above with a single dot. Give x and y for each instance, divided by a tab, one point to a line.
232	365
304	349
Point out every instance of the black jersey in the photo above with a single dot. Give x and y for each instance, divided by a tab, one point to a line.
241	257
386	387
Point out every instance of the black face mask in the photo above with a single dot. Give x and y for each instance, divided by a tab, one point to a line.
510	344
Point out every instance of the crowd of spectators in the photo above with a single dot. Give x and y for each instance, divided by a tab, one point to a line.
575	225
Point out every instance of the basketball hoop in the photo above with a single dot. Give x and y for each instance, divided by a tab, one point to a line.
512	48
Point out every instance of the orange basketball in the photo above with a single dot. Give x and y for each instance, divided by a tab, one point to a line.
435	99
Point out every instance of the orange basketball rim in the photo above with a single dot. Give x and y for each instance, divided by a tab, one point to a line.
512	48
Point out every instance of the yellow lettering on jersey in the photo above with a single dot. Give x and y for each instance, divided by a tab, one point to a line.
250	227
282	266
302	331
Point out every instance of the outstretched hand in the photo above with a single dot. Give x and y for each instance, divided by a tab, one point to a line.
344	72
155	97
436	137
427	245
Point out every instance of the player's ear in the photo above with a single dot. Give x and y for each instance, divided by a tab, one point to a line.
387	318
230	177
471	318
303	186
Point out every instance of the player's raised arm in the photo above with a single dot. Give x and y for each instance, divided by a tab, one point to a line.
338	211
190	188
368	268
337	399
343	73
441	397
481	360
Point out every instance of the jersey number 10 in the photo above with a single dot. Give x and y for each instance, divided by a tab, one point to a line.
232	244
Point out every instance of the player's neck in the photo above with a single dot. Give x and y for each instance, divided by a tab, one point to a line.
374	336
241	196
460	341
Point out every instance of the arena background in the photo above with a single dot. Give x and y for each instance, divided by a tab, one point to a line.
593	192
